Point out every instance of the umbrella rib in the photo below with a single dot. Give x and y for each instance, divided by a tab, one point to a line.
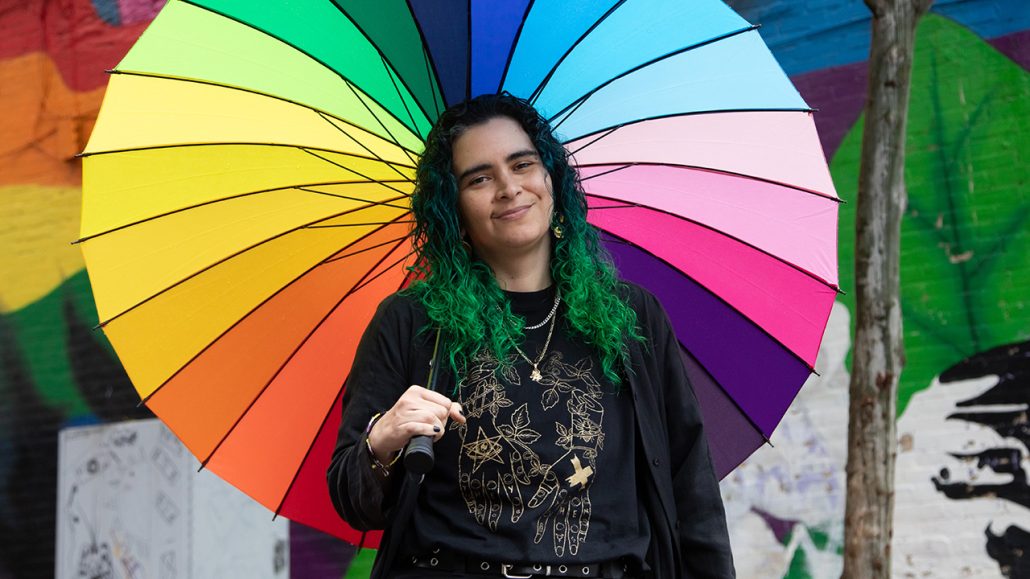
400	95
670	54
384	271
349	198
621	167
515	43
298	49
436	95
627	206
251	311
360	251
386	60
629	243
732	400
601	134
354	90
363	146
812	192
288	359
566	117
239	196
426	52
547	78
631	205
356	224
231	144
228	257
369	179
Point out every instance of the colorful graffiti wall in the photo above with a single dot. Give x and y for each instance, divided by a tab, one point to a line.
962	492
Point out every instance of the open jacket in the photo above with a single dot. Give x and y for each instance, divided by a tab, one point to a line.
681	493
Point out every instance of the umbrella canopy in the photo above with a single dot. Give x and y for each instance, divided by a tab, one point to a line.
246	202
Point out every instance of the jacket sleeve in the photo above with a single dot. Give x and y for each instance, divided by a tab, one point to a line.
701	519
377	379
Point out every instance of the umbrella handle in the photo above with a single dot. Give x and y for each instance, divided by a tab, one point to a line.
418	455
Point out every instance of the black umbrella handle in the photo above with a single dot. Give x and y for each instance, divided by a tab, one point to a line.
418	455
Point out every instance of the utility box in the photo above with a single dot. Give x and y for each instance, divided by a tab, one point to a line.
131	504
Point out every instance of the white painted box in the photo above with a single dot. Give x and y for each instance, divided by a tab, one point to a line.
131	505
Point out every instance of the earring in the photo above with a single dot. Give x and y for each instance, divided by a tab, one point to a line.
556	228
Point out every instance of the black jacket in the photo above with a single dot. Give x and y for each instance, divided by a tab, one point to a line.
689	536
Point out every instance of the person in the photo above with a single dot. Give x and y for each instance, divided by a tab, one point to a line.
568	441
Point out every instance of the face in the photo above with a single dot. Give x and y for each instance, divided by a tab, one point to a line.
504	191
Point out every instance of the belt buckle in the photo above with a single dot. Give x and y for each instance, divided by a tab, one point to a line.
506	567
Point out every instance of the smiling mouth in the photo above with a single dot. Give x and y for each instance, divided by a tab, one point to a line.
513	213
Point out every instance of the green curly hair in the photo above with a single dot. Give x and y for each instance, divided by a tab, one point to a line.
459	291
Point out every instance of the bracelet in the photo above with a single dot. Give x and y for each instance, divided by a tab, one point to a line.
376	463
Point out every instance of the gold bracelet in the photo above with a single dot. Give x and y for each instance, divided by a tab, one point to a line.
376	463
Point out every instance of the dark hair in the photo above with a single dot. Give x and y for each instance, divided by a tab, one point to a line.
459	291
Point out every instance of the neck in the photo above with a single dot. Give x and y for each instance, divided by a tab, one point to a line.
527	272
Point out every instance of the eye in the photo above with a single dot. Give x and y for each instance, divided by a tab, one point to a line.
522	165
478	179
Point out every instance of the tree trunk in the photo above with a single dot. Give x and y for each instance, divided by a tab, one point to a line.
877	354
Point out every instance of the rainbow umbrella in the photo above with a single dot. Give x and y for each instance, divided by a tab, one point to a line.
246	202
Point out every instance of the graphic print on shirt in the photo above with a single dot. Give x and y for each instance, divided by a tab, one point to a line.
509	464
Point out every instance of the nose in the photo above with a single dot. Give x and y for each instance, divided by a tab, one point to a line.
508	185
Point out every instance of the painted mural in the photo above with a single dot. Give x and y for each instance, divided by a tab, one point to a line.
962	491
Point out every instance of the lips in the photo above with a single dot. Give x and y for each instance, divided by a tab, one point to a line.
513	213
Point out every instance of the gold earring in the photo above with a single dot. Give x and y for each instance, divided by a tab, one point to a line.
556	227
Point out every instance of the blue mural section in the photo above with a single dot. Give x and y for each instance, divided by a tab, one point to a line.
811	35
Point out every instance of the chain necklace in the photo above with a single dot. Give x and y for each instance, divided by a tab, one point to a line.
554	308
535	375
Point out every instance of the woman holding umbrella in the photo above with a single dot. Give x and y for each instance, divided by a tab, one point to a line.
573	445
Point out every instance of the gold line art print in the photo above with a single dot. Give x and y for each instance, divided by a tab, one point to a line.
509	467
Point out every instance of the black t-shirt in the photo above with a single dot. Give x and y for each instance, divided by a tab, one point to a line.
543	471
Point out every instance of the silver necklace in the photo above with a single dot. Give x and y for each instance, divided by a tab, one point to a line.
535	375
554	308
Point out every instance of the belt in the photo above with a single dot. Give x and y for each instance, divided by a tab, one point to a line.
453	562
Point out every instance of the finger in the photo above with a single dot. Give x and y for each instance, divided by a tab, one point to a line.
428	416
457	413
434	397
413	429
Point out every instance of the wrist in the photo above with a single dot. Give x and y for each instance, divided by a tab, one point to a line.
380	463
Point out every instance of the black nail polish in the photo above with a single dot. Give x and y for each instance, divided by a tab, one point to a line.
436	429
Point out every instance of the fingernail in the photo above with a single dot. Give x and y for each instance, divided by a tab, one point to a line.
436	429
461	412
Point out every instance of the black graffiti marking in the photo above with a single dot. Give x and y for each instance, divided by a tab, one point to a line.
1011	364
1007	549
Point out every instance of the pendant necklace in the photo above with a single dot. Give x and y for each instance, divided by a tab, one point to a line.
535	375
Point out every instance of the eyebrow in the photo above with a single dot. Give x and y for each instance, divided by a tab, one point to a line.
508	159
